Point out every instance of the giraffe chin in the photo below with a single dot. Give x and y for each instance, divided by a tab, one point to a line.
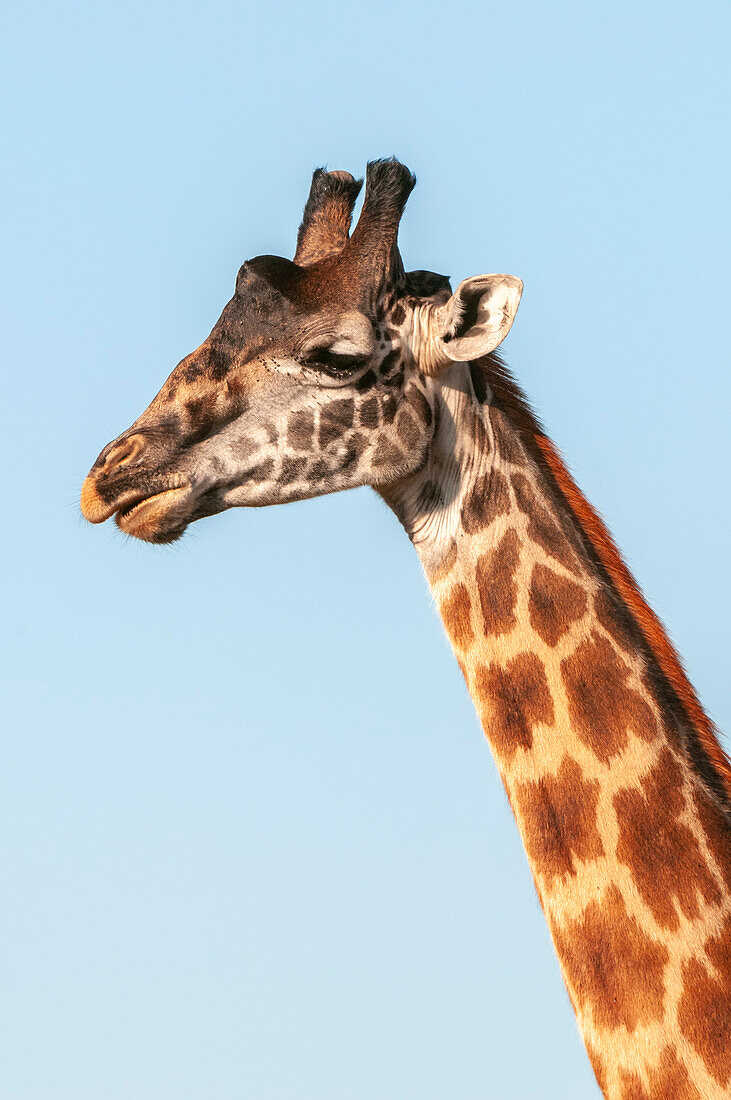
161	518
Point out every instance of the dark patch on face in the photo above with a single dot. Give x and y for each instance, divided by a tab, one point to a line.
515	699
366	382
555	603
560	821
192	368
270	430
420	405
320	470
497	586
661	852
398	314
389	408
541	528
487	499
603	709
391	361
394	381
201	418
262	472
703	1010
292	469
335	419
246	447
667	1081
407	429
456	613
369	413
301	430
350	459
613	967
219	363
387	454
212	360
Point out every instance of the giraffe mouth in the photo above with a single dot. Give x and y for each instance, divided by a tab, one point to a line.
156	517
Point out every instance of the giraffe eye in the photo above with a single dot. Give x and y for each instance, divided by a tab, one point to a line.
333	362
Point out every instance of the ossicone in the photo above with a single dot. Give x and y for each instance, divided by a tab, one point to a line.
327	215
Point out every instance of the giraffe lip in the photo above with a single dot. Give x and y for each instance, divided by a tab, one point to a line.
127	509
155	517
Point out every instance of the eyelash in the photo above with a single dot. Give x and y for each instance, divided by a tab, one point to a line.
333	363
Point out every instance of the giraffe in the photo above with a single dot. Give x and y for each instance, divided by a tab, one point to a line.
340	369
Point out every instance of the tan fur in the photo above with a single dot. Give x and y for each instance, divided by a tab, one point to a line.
631	856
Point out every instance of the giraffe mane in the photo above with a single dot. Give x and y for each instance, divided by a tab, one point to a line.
664	664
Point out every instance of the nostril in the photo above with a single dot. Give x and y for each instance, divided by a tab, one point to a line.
125	452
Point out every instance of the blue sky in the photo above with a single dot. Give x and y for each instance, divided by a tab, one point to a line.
253	842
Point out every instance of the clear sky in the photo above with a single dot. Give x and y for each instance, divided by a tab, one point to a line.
253	842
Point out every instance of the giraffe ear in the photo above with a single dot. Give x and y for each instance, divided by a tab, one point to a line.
474	321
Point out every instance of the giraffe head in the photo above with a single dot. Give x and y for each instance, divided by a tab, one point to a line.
321	373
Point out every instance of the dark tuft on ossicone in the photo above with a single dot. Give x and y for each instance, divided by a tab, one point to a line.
326	218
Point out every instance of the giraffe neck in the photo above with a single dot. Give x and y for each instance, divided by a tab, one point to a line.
629	848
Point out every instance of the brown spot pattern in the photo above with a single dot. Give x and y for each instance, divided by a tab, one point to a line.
601	706
369	413
456	610
559	815
516	698
614	967
616	624
407	429
703	1011
668	1081
496	584
718	833
387	454
389	408
508	441
335	419
541	528
263	471
368	379
662	854
301	430
488	498
420	405
474	426
554	603
245	447
291	469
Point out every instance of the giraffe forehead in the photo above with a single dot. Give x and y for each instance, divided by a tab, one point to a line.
238	355
270	316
